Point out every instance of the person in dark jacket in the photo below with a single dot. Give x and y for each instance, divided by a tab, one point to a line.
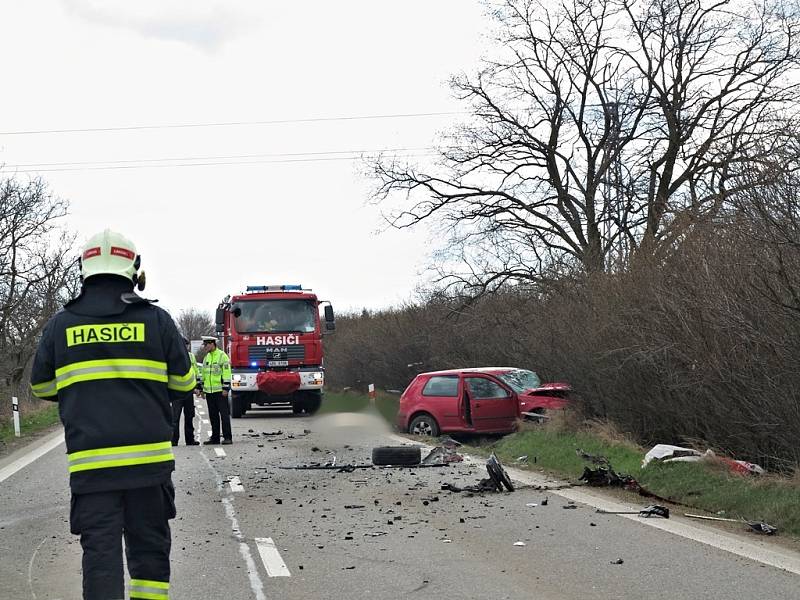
114	363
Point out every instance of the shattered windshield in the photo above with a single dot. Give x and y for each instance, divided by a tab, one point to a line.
259	316
520	380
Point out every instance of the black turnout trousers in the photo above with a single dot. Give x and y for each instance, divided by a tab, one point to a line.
187	406
218	410
102	519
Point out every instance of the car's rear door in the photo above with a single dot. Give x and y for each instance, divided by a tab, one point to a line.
493	407
439	397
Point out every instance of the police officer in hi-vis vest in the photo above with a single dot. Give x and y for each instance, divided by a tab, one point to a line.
216	375
114	363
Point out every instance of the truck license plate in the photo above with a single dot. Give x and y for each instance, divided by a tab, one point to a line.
277	363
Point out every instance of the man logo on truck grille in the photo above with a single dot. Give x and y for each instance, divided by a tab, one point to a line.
277	340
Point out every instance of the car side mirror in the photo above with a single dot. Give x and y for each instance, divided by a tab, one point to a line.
220	320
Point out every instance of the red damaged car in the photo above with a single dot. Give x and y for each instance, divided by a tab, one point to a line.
477	400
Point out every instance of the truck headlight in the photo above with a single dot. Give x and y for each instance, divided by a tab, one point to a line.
237	377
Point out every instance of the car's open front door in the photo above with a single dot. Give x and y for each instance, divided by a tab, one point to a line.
492	406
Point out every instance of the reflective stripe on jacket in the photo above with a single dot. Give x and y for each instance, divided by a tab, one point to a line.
195	370
114	377
216	371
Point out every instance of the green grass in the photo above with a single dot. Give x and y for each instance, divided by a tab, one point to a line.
707	486
386	404
31	422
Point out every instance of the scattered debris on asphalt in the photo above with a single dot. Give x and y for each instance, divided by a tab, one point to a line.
654	510
442	455
497	481
520	544
618	561
757	526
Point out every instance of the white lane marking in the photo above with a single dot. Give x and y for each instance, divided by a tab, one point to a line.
244	549
759	552
31	456
206	421
236	484
271	558
219	451
200	412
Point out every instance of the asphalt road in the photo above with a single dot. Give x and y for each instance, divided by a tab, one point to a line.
371	533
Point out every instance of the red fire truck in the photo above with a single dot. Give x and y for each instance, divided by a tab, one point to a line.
273	336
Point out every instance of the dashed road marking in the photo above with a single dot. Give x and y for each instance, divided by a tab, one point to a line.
252	571
235	483
219	451
271	558
206	421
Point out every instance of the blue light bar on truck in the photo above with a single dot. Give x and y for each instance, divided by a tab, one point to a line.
274	288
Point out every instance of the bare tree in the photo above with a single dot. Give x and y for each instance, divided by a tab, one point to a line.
37	270
604	129
195	323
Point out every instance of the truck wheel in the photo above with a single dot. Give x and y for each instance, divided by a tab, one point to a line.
313	402
396	455
298	404
237	406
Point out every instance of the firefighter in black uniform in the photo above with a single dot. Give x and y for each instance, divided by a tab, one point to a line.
114	363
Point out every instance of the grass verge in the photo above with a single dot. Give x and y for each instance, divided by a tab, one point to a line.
30	423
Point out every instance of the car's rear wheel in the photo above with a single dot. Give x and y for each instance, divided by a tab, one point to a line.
424	425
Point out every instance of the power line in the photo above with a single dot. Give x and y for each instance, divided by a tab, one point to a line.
207	164
231	123
216	158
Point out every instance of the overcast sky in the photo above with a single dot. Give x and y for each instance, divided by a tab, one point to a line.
293	209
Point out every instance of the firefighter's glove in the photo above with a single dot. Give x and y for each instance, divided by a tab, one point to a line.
226	389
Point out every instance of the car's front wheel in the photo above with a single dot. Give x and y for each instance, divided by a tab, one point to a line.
424	425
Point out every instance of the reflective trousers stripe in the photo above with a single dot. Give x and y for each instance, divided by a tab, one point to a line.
120	456
151	590
120	368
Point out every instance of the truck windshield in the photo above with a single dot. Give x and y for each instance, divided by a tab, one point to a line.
520	379
259	316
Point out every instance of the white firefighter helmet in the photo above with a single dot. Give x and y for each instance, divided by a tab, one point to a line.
111	253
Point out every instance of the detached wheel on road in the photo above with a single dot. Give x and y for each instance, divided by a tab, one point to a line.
396	455
498	474
424	425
